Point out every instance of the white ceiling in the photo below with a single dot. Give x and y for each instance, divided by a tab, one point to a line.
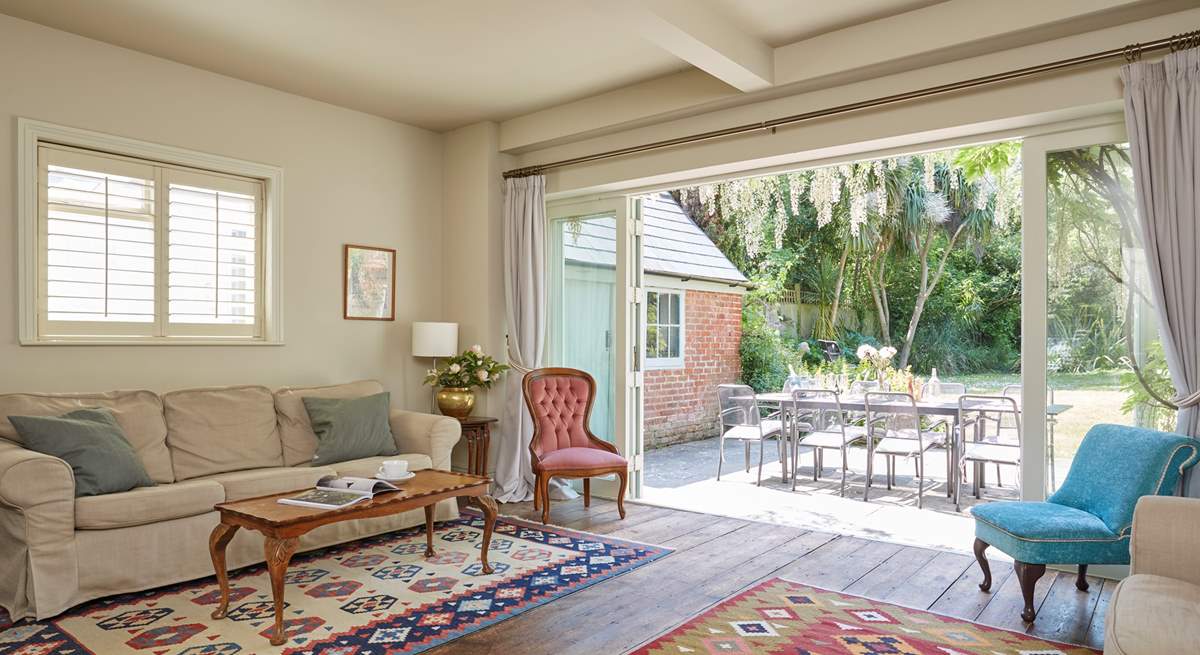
779	22
437	65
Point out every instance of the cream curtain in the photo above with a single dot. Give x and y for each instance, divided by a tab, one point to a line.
525	300
1162	118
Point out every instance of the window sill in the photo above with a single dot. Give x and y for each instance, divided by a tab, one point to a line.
176	341
664	364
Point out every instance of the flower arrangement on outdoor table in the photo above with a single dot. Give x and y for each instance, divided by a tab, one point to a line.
459	375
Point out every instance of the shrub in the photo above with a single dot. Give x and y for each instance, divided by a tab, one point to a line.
765	355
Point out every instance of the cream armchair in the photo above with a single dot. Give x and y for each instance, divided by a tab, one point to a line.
1156	610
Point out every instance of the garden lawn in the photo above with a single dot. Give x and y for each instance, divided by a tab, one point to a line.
1094	397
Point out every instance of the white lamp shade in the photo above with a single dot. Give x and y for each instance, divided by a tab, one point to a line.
434	339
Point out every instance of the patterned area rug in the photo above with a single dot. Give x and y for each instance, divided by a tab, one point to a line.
378	596
778	616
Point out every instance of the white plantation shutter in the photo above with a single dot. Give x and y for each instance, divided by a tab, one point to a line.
99	244
131	248
213	254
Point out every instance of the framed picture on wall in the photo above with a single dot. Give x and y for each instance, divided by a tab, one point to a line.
369	283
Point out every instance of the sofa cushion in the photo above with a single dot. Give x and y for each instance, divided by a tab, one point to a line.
295	430
368	466
221	429
147	505
92	442
139	413
1048	533
350	428
1153	615
565	459
240	485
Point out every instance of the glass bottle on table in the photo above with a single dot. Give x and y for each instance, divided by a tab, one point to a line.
933	388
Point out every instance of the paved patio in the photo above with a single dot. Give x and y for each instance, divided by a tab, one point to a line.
683	476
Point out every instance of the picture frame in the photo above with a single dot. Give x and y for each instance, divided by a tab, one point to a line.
368	283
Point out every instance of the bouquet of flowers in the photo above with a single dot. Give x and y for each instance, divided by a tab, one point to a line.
472	368
876	363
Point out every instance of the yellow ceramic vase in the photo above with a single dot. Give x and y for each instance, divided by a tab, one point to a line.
456	402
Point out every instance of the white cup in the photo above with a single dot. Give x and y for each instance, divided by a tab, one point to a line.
393	468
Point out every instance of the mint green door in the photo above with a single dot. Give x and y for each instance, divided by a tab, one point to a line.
582	281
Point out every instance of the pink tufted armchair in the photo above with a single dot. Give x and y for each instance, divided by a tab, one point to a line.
560	402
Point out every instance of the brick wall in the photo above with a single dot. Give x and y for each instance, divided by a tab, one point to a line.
681	404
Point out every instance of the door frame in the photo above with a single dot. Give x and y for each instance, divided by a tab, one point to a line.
1034	290
627	342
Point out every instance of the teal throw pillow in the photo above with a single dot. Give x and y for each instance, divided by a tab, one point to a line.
350	428
93	443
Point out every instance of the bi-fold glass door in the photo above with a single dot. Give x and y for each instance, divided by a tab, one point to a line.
594	300
1090	345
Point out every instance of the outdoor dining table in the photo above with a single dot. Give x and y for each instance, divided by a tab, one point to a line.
941	406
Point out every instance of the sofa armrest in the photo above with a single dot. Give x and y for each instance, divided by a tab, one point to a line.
433	435
29	478
1166	530
38	566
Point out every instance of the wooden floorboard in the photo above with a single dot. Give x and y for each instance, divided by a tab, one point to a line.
716	557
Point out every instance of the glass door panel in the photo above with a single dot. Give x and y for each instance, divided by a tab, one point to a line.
583	294
1102	351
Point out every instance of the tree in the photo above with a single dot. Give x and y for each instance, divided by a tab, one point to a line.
814	228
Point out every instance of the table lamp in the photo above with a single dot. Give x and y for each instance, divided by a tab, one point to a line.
434	340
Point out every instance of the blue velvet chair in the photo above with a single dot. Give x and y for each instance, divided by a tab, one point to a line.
1089	519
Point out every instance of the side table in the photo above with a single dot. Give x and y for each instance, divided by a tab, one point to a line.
477	432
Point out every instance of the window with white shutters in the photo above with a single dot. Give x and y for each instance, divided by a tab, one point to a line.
144	250
212	258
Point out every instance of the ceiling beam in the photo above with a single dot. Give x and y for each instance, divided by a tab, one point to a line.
699	35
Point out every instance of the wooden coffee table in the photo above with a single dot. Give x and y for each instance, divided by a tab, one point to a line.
283	525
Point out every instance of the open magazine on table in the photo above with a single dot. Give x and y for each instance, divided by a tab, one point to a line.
333	492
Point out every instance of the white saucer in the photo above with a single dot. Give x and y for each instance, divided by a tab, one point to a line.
404	478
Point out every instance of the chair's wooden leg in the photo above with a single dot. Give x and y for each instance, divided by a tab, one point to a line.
587	492
1028	575
624	476
543	483
537	495
980	547
1081	582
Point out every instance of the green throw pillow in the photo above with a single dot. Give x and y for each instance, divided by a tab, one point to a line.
350	428
93	443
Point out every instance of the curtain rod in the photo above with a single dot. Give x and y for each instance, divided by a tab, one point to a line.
1130	53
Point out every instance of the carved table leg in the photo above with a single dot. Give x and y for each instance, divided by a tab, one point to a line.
217	541
1081	582
429	530
1028	575
488	505
980	546
279	553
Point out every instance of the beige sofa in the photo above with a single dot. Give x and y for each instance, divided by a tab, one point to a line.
201	447
1156	610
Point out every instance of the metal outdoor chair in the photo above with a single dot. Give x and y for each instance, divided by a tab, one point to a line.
829	431
1014	391
831	349
742	420
1001	447
896	429
953	389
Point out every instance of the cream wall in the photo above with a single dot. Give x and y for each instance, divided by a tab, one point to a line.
348	178
472	276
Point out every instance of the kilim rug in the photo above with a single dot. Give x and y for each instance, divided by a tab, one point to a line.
778	616
378	596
